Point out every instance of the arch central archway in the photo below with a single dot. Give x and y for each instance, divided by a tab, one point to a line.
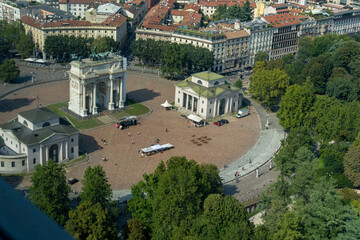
54	152
222	107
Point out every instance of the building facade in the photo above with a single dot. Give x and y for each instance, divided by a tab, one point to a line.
35	137
9	12
261	36
286	34
114	26
97	84
207	95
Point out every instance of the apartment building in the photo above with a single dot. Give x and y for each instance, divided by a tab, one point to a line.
114	27
261	36
286	34
76	7
346	22
208	7
10	12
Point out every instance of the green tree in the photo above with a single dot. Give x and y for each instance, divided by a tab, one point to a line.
261	56
49	191
268	85
295	105
275	64
9	71
104	44
168	200
347	52
342	89
96	188
91	221
136	230
352	164
322	44
239	83
305	46
174	60
223	218
25	46
289	227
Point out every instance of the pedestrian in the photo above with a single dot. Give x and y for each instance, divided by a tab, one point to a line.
166	130
151	144
132	142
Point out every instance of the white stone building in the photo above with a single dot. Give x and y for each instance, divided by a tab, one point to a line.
35	137
207	95
97	84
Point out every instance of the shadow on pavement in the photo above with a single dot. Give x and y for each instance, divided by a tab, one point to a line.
7	105
23	79
88	144
230	189
142	95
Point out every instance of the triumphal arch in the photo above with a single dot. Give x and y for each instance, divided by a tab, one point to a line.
97	83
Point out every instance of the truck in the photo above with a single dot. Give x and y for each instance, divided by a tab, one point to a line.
124	122
242	113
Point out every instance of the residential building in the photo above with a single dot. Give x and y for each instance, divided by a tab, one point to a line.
207	95
76	7
35	137
114	26
101	13
208	7
286	34
261	37
10	12
95	84
51	3
135	11
347	22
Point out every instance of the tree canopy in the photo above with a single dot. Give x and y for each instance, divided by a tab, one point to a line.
9	71
49	191
243	12
170	199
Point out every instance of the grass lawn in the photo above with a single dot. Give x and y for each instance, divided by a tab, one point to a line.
79	124
135	109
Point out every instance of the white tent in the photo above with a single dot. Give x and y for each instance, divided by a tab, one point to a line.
166	104
194	118
40	61
30	60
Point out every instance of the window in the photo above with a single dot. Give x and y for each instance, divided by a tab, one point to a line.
209	110
34	160
34	150
23	162
25	123
202	102
23	149
2	164
178	100
72	150
199	82
16	145
72	140
202	110
210	102
11	142
12	164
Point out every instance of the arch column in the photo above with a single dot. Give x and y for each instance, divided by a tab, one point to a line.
46	154
83	112
111	102
94	110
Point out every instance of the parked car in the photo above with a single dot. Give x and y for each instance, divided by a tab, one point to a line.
72	181
221	122
242	113
224	121
126	123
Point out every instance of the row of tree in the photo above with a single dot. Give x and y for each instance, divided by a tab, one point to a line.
243	12
12	36
61	47
174	59
95	216
318	97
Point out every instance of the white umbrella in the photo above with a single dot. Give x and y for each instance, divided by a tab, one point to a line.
166	104
40	61
30	59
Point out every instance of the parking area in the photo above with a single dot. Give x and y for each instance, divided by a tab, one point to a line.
124	165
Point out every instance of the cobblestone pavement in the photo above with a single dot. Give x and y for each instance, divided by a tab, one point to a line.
152	91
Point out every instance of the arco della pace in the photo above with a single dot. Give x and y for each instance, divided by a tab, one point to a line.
97	83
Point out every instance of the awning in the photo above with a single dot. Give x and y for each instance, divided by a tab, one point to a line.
40	61
30	59
166	104
157	148
195	118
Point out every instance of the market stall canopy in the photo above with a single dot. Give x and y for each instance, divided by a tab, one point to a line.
166	104
30	59
41	61
194	118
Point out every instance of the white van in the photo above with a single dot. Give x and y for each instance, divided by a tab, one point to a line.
242	113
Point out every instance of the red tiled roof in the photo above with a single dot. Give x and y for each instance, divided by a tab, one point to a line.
192	6
236	34
113	21
229	3
280	20
76	1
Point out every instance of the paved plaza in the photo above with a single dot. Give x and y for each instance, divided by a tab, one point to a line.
125	166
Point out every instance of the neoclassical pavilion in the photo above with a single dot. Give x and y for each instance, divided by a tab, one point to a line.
208	95
97	85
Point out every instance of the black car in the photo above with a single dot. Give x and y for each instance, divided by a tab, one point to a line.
224	121
72	181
